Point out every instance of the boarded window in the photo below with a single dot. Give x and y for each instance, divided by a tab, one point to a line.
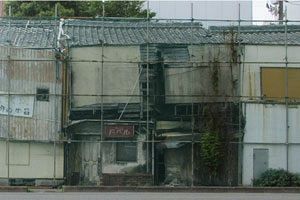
273	83
42	94
126	151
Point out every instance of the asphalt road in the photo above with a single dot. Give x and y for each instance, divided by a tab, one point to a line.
148	196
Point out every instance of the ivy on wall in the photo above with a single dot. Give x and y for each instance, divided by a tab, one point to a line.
211	151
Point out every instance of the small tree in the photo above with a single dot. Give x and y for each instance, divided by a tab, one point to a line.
77	8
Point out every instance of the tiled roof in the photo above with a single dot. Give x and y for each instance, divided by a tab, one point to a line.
27	37
43	33
267	34
128	33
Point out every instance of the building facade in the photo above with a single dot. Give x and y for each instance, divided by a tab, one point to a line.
129	103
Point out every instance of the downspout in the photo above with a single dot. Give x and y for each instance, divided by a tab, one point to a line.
62	61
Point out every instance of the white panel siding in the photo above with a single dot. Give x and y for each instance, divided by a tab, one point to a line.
266	128
277	159
39	162
265	123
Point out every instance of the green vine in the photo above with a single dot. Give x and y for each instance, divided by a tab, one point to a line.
215	77
211	152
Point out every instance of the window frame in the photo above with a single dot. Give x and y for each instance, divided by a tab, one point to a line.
117	158
42	94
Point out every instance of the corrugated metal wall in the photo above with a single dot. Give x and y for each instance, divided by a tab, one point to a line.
22	71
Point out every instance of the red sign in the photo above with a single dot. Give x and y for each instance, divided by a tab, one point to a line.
119	131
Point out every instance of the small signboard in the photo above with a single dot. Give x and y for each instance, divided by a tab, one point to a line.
119	131
20	106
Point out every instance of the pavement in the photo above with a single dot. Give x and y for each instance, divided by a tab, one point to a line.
146	196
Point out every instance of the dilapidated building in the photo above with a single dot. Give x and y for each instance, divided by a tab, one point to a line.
129	102
30	108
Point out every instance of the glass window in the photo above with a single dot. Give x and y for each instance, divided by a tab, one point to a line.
126	151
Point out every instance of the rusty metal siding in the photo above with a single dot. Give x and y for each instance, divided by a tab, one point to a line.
26	71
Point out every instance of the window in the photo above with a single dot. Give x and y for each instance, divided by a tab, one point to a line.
186	110
42	94
273	83
126	151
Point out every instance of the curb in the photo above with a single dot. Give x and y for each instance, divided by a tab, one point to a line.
183	189
13	188
153	189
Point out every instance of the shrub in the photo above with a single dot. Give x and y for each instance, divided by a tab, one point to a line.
277	178
211	152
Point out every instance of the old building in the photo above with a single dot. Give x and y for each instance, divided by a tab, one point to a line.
128	102
30	107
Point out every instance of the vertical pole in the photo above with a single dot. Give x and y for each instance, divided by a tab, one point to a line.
147	74
57	75
286	94
56	11
9	11
102	87
240	143
8	114
152	154
192	110
280	11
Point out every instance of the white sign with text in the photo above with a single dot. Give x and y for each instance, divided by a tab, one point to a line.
20	106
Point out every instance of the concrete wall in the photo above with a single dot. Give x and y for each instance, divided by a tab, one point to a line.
266	122
110	165
194	83
90	158
120	74
91	163
31	160
178	169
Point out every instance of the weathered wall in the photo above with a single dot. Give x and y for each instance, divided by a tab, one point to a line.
31	160
212	74
266	123
110	165
26	71
89	158
178	166
256	57
120	74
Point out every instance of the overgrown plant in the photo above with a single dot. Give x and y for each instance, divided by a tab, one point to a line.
215	77
211	152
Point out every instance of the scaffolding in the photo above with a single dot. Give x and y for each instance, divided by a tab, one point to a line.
142	101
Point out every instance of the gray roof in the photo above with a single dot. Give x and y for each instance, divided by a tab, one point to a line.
27	37
128	33
43	33
266	34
